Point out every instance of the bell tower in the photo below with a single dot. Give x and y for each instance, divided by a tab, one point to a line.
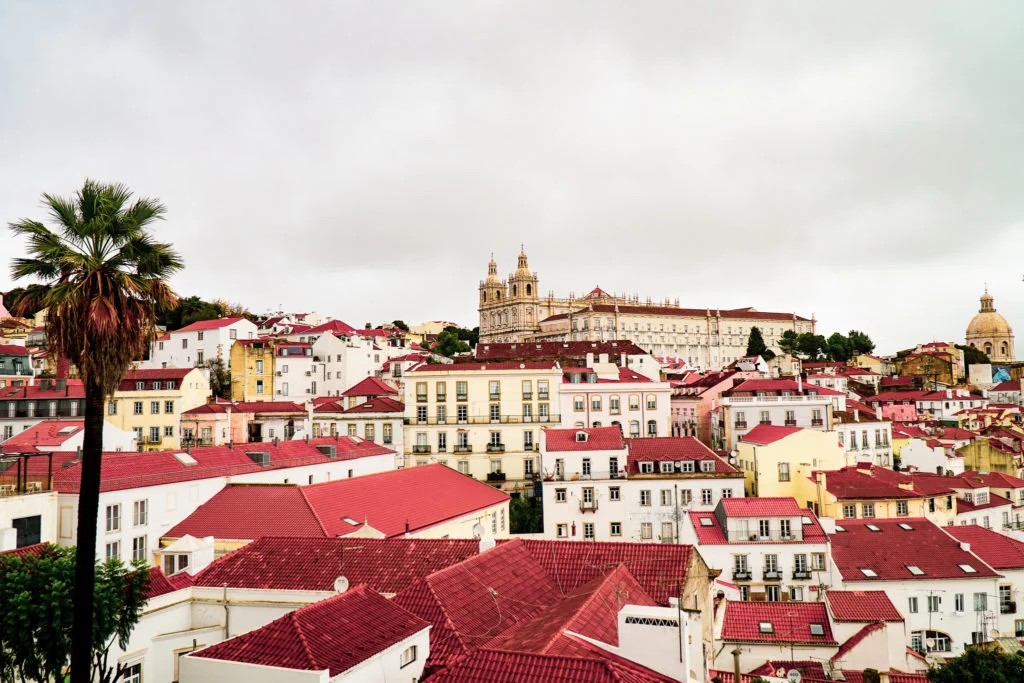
523	296
493	297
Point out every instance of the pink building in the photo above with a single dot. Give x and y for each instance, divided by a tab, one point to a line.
694	398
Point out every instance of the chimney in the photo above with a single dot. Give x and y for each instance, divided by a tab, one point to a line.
856	415
800	383
966	547
590	360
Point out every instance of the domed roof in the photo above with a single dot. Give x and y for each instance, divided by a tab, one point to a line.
988	323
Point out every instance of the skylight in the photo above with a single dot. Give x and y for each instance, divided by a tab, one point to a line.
817	630
765	627
704	521
67	430
349	520
870	573
805	520
839	528
915	570
906	527
872	527
968	569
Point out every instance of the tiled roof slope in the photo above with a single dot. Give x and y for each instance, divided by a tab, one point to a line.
498	666
123	470
849	483
998	551
387	566
763	435
597	439
160	583
523	350
250	511
46	433
890	550
762	507
673	449
790	622
861	606
371	386
334	634
855	640
209	324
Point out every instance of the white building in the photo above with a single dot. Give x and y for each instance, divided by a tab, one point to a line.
66	436
949	596
199	343
605	394
929	455
378	419
771	548
142	495
785	402
863	436
599	487
342	361
293	371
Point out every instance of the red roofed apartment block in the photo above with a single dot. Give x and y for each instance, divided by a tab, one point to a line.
199	343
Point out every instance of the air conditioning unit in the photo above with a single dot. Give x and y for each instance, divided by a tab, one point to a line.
278	373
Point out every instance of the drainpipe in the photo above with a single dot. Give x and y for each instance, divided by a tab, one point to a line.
227	614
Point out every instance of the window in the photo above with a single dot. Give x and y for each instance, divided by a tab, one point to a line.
353	431
495	412
154	435
613	493
739	565
140	513
652	402
666	496
980	602
595	403
784	529
645	498
652	428
421	392
495	389
783	471
112	408
139	548
464	467
933	603
421	414
613	405
771	563
901	508
442	415
113	517
726	493
562	530
867	510
560	495
259	367
772	593
132	674
705	496
1005	598
912	605
112	550
407	657
766	419
615	528
578	404
634	402
461	390
586	467
646	530
1018	628
588	531
765	627
800	562
259	386
137	408
958	602
796	593
634	429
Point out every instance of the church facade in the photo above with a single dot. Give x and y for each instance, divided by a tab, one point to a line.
512	310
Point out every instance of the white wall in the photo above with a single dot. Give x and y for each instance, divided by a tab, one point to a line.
202	670
917	453
386	666
348	361
43	504
216	343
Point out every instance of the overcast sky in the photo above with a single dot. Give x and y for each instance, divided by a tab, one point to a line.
364	159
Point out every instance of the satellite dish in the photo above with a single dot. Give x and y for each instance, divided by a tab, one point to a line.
793	676
340	584
478	530
931	643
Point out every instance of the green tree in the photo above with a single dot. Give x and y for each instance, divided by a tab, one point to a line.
400	324
839	348
471	337
980	665
525	515
220	378
36	608
973	356
755	343
103	277
789	342
860	342
812	346
448	344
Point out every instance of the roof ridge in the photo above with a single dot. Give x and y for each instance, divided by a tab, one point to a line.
307	650
855	639
316	516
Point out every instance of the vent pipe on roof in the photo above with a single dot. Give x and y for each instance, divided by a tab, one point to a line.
966	547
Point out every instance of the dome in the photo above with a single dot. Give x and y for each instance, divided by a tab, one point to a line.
988	324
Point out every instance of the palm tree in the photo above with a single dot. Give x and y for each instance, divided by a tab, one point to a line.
102	279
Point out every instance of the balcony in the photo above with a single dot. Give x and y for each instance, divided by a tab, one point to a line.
590	506
441	398
464	449
799	574
421	398
461	397
817	422
495	476
481	419
791	423
542	396
495	448
527	396
495	396
741	536
420	449
771	575
766	421
740	425
743	575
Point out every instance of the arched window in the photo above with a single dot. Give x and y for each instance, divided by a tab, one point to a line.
1003	348
515	289
529	290
988	348
634	428
652	428
578	404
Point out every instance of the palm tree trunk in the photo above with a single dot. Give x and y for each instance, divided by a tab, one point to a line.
85	554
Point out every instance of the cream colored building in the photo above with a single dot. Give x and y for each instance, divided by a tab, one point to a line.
777	461
989	332
150	402
513	310
483	419
252	370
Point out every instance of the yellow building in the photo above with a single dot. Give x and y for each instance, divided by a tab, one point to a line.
868	492
989	455
14	330
252	370
483	419
777	460
151	402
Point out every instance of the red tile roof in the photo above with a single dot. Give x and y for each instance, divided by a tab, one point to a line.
387	566
762	507
332	326
371	386
747	313
994	501
12	350
994	479
381	404
598	439
762	435
486	367
672	449
889	551
491	351
854	640
209	324
849	483
499	666
160	583
781	385
790	622
998	550
393	503
861	606
711	532
34	549
136	470
48	433
810	669
334	634
73	389
1006	386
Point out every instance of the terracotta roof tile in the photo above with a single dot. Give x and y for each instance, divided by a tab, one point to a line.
997	550
861	606
597	439
209	324
334	634
762	507
790	622
160	583
763	435
672	449
371	386
48	433
234	513
498	666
